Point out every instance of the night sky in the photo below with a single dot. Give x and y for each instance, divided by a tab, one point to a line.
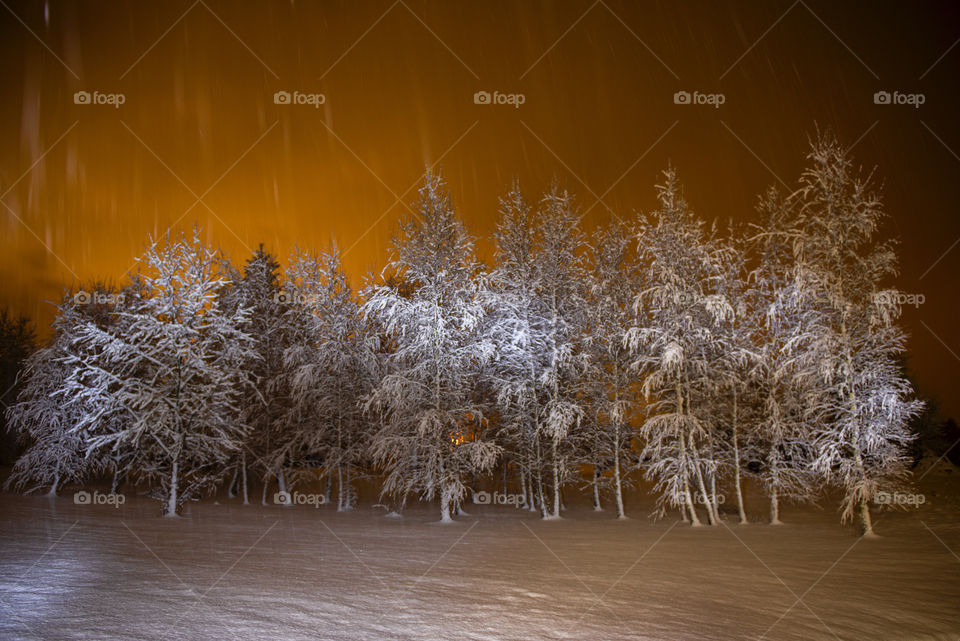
200	139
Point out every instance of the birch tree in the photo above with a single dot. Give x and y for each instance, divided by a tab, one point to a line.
517	327
782	327
673	339
863	402
559	248
332	368
611	384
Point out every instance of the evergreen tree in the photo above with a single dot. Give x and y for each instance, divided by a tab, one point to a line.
432	435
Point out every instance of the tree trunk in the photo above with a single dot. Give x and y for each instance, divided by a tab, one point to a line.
736	463
243	468
865	518
707	503
532	503
523	484
55	484
618	486
684	463
541	497
349	490
774	507
694	519
556	482
445	502
172	498
233	483
596	489
56	481
713	496
282	487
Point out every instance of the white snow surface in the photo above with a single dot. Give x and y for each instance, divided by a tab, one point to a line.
227	571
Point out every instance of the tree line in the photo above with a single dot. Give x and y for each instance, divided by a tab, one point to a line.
699	356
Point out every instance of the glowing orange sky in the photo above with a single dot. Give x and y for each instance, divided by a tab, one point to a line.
598	79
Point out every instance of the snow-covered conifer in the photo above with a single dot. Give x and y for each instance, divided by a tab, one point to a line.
432	436
55	454
264	451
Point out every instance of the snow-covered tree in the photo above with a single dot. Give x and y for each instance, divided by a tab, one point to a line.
516	324
729	397
781	327
610	381
432	435
561	277
675	338
863	401
172	367
332	366
264	449
55	454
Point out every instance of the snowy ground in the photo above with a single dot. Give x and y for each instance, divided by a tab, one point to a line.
225	571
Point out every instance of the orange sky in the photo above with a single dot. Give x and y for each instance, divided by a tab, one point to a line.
199	138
